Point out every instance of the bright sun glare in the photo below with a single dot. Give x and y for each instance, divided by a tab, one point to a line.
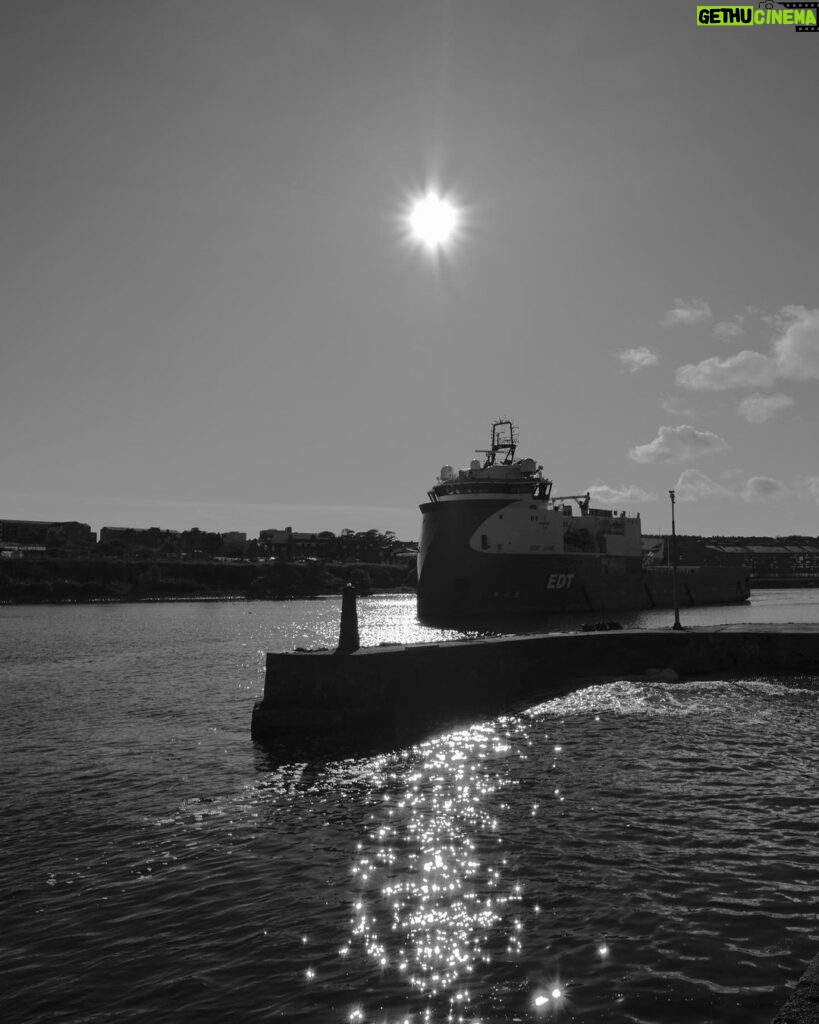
433	221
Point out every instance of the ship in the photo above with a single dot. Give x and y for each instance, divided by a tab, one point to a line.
495	541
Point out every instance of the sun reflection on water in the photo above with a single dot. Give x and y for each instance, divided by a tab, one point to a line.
434	902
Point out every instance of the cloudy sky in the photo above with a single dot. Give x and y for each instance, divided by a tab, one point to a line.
211	315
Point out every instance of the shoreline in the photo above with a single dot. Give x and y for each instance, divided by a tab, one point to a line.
202	598
84	581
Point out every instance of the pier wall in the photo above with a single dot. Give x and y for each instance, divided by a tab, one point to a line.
396	692
803	1005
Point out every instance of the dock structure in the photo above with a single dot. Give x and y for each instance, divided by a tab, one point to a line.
803	1005
393	695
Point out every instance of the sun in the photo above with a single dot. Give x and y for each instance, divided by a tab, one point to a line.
433	221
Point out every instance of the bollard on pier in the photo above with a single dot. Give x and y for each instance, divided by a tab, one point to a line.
348	640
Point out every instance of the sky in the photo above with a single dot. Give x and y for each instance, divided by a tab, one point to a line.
212	316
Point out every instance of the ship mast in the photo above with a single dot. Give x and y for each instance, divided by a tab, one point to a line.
504	439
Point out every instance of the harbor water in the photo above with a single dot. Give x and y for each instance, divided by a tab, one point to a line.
640	851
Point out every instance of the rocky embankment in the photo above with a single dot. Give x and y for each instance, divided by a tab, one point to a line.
56	580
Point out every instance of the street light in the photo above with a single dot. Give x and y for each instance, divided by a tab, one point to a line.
674	566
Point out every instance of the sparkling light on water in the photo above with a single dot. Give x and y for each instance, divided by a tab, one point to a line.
441	890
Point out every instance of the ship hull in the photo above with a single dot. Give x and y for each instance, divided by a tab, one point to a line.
455	581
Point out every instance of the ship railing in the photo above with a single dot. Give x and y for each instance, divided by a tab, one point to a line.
670	568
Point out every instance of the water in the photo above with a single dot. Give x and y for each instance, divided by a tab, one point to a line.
634	852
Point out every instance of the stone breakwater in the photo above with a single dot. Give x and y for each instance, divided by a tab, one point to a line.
803	1005
393	695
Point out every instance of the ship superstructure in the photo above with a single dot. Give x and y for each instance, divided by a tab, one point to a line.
494	539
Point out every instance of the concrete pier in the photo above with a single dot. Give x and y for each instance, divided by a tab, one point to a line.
393	695
803	1005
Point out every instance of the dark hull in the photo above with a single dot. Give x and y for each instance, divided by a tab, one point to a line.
456	581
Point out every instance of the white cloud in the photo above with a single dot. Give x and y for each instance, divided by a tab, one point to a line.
676	444
794	356
730	328
696	486
635	359
745	369
797	350
687	313
759	408
620	495
811	485
764	488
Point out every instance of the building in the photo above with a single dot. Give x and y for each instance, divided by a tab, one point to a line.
29	536
288	545
761	558
771	560
407	553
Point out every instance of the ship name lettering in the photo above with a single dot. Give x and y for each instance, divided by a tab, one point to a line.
560	580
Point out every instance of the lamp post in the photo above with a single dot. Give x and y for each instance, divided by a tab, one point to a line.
674	565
